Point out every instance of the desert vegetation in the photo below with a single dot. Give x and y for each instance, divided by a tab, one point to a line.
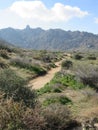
69	101
76	84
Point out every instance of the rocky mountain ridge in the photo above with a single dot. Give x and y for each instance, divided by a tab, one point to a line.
52	39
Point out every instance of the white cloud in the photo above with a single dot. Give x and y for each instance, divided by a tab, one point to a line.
37	10
96	20
37	14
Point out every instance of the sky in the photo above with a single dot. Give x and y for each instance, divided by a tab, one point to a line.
71	15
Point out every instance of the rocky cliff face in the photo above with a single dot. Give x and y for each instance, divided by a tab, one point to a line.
52	39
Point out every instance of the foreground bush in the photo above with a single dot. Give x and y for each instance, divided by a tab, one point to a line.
15	116
58	118
4	54
3	64
15	87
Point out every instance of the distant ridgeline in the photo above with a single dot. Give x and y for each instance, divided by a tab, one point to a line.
52	39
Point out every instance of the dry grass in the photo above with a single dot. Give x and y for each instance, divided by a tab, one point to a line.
15	116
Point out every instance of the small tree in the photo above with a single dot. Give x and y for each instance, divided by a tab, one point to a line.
92	57
67	64
16	116
78	57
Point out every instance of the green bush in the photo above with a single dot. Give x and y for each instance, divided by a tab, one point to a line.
26	65
67	80
61	100
78	57
52	65
49	101
64	100
67	64
51	87
3	64
45	89
91	57
57	90
15	87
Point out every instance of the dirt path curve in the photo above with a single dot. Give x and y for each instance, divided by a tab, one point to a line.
39	82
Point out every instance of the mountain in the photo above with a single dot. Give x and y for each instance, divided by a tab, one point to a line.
4	44
52	39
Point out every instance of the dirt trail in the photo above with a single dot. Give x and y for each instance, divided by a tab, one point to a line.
39	82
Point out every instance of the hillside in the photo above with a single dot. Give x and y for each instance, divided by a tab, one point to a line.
28	63
52	39
44	90
4	44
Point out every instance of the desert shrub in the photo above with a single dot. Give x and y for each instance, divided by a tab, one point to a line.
49	101
45	89
67	64
8	47
5	47
58	117
63	100
27	65
88	75
4	54
49	66
3	64
78	57
15	87
91	57
51	87
57	87
52	65
46	58
67	80
57	90
15	116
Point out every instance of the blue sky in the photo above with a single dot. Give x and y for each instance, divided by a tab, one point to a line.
65	14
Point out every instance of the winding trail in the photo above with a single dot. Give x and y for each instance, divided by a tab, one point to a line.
40	81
